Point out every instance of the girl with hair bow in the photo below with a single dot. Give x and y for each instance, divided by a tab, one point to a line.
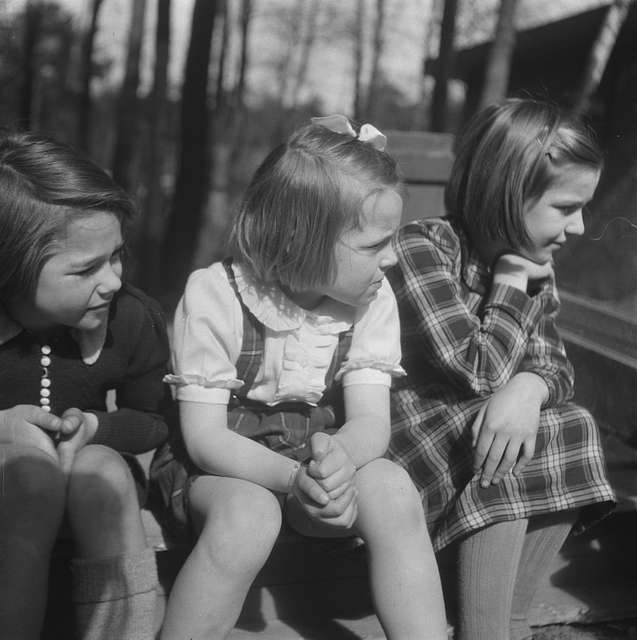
283	360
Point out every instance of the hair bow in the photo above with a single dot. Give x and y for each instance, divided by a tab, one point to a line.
340	124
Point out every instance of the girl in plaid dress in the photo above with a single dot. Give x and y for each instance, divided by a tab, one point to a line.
283	363
505	463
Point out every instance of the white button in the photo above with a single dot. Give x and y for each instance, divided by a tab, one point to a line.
46	350
45	382
44	401
45	361
45	393
45	408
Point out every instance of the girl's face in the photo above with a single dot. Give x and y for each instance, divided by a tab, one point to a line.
78	282
363	254
558	212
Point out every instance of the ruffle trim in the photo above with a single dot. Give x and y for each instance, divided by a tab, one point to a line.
394	370
275	310
201	381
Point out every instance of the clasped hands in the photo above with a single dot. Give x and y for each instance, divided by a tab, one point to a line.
61	437
325	486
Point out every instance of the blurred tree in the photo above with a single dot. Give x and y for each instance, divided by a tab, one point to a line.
154	209
306	46
127	126
191	185
376	54
421	112
86	73
496	80
358	42
445	64
600	52
31	37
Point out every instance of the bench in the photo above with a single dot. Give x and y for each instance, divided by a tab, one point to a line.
318	589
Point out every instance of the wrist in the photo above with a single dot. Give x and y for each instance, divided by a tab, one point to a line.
535	385
294	472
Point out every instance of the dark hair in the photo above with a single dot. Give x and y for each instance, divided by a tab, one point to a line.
43	186
508	156
304	194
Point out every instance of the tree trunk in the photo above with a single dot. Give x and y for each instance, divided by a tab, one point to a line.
86	73
306	46
498	69
419	119
358	59
445	63
237	105
600	53
31	36
193	164
150	249
377	51
127	133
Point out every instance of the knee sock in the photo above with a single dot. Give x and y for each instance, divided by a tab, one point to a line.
544	538
115	597
487	569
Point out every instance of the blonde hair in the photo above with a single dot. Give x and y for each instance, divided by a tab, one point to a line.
302	197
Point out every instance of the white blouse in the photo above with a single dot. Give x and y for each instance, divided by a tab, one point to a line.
298	344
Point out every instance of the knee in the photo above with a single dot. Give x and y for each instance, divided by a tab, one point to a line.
32	486
385	486
100	480
249	519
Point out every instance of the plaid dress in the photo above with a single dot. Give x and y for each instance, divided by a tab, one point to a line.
462	339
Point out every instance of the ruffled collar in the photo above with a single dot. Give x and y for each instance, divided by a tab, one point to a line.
276	311
90	343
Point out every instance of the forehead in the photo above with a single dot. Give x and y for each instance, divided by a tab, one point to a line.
90	232
382	209
576	182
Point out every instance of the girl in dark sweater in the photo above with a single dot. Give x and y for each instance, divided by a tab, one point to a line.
70	332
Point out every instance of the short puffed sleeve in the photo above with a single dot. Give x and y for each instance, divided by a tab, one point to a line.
374	355
207	336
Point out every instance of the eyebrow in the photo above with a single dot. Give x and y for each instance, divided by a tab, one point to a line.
89	261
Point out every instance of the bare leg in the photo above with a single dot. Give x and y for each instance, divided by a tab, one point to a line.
114	577
404	575
32	495
238	522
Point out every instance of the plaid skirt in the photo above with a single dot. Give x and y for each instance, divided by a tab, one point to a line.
432	440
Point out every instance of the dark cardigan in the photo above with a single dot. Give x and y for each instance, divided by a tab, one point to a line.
133	362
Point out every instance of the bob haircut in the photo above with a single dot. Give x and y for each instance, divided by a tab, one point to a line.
301	198
508	156
44	185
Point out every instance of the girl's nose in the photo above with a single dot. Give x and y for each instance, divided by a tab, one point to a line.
389	258
111	281
575	224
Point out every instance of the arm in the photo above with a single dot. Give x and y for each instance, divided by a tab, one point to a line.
477	351
217	450
143	400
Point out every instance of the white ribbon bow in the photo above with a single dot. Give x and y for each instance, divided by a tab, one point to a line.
340	124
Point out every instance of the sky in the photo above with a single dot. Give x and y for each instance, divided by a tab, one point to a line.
330	69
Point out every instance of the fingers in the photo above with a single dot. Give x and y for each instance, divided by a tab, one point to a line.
476	426
66	453
310	488
509	458
36	416
320	445
528	451
492	461
71	421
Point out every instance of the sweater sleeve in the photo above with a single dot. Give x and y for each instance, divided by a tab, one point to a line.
144	403
476	351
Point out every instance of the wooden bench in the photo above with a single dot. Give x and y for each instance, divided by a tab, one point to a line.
318	589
